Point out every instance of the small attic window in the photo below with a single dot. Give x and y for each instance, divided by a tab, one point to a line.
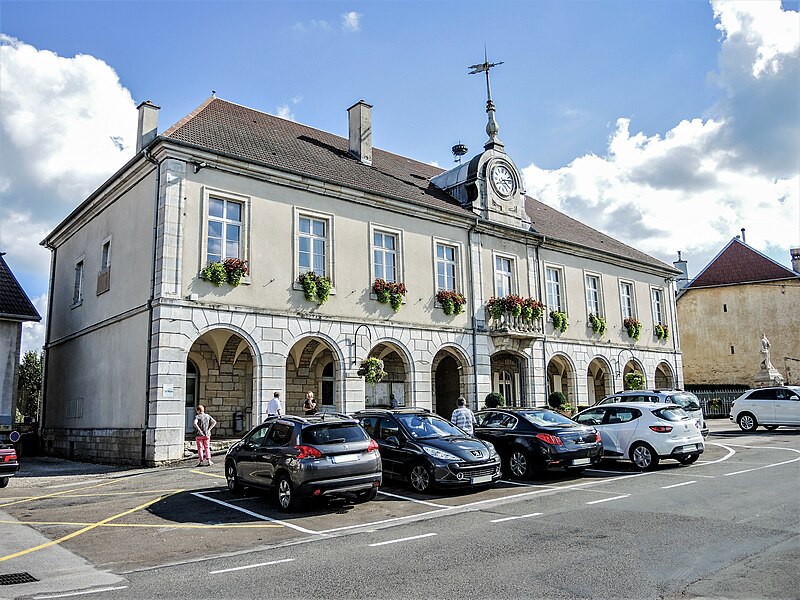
725	309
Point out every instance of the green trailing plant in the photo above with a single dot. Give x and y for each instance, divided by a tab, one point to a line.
215	273
560	320
235	269
597	323
528	308
317	288
494	400
514	304
661	331
323	289
452	302
496	307
634	327
634	380
372	370
389	292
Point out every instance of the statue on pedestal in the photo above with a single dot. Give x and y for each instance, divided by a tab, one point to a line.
767	374
766	364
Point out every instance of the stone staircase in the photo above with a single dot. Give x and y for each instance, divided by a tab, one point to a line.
218	446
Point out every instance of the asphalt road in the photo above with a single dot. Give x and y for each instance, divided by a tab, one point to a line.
725	527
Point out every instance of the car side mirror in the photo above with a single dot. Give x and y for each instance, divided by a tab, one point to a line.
392	441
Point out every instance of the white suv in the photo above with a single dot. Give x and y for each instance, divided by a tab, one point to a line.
686	400
770	407
645	432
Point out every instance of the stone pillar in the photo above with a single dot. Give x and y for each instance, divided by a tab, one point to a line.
352	391
169	235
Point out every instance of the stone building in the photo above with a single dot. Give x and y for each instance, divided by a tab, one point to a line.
724	311
140	335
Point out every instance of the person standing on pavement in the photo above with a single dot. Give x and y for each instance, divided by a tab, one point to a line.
310	405
203	424
274	408
463	417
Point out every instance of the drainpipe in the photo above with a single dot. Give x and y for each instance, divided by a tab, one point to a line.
544	316
47	330
474	318
149	157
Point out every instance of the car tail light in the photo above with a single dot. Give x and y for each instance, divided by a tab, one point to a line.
597	437
10	457
308	452
661	428
548	438
373	446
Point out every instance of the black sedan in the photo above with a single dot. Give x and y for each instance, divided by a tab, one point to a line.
9	465
424	449
538	438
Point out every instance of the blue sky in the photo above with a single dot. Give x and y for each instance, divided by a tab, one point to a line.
667	124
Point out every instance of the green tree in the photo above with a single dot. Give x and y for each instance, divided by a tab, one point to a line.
29	387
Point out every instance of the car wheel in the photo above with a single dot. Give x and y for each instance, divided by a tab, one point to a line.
366	495
687	460
234	485
287	501
771	427
4	481
643	456
519	466
747	422
420	477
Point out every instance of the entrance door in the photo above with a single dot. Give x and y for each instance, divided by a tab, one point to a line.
191	396
447	386
327	386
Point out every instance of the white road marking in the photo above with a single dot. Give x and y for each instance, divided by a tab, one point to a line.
532	485
96	591
666	487
266	564
256	515
73	483
608	499
405	539
785	462
412	499
512	518
730	453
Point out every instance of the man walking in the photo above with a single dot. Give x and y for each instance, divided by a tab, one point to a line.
463	417
274	408
203	424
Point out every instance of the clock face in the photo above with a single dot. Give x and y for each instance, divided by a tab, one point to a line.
503	180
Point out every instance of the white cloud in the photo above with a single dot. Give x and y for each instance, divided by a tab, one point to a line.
284	112
32	332
694	187
66	125
351	21
312	25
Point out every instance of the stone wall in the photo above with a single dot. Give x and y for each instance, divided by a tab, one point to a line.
110	446
226	389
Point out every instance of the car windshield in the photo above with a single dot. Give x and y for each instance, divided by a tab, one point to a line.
671	413
686	401
427	426
547	418
333	434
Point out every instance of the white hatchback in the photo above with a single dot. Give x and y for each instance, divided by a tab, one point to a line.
770	407
644	432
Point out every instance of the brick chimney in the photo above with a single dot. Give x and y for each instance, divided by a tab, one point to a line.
360	120
148	124
795	252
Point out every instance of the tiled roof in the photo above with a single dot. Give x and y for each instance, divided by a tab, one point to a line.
234	130
14	304
739	263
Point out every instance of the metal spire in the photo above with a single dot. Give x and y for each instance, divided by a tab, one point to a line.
492	128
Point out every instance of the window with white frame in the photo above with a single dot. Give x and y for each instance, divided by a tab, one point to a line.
553	277
77	290
503	276
446	267
105	257
312	245
224	230
658	306
384	255
593	295
626	299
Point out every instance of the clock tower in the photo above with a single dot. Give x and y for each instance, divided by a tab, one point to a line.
489	184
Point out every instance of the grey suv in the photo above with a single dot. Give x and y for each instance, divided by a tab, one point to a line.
299	457
686	400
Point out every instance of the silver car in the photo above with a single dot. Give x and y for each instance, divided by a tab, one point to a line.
686	400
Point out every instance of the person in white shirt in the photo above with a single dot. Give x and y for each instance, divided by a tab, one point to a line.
274	408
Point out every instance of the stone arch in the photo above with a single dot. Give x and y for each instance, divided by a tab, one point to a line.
510	377
663	377
599	379
399	381
633	365
562	377
307	361
450	377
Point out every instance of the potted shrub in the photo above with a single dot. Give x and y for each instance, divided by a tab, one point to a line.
597	323
215	273
661	331
514	304
372	370
494	400
452	302
634	380
235	269
317	288
389	292
560	321
532	310
634	327
496	307
556	400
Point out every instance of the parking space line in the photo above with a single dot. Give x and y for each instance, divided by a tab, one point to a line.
513	518
608	499
257	515
405	539
412	499
151	525
730	453
674	485
207	474
266	564
82	592
89	487
85	529
769	466
529	485
129	493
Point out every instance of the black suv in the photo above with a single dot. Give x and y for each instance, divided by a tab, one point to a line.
318	455
424	449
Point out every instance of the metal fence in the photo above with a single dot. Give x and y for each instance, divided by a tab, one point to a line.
717	403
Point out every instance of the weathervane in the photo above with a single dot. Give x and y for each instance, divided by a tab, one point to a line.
492	128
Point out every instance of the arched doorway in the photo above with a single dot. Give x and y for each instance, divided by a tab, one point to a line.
449	381
631	366
310	367
219	375
509	377
561	378
395	388
599	382
663	377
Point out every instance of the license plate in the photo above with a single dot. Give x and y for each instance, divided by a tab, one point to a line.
481	479
581	461
344	458
690	448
